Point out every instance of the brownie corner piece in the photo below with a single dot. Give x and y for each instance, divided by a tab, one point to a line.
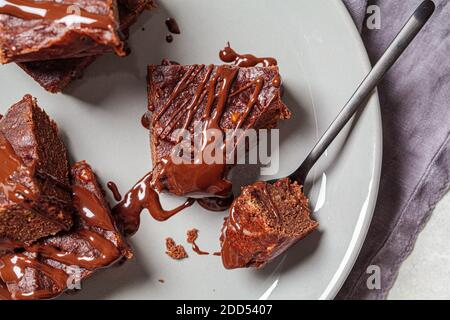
45	30
35	195
59	263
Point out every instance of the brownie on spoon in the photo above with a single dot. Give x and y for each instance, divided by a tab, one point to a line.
264	221
216	97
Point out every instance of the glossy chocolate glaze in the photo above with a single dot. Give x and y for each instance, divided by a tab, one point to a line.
244	60
114	190
95	223
145	121
199	177
143	196
12	169
215	203
46	10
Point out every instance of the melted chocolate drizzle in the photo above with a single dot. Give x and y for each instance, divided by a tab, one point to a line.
92	215
49	10
244	60
14	267
4	293
143	196
145	121
10	245
198	177
114	190
215	203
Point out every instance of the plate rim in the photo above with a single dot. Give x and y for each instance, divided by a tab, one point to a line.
365	219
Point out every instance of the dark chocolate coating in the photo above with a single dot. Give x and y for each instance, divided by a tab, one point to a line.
264	221
44	172
26	36
55	75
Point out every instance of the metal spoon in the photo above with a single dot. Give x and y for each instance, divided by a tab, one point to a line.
390	56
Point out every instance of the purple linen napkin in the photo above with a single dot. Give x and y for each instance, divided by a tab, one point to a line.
415	107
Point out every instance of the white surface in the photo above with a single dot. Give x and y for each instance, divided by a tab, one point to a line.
425	273
322	61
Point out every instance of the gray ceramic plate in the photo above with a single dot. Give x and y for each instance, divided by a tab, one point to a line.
322	60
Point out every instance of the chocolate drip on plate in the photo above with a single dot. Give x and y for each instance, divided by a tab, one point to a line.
215	203
172	26
200	177
143	196
114	190
11	167
244	60
192	236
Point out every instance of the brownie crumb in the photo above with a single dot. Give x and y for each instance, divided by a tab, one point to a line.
192	235
161	280
175	251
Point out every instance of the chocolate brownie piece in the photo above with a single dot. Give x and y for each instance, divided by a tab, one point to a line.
32	30
57	263
200	98
264	221
55	75
35	198
4	293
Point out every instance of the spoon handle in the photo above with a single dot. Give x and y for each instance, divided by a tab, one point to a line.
390	56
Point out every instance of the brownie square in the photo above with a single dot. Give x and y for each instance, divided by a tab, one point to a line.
178	96
264	221
35	197
55	75
48	29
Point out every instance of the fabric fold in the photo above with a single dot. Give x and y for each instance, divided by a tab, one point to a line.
415	108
